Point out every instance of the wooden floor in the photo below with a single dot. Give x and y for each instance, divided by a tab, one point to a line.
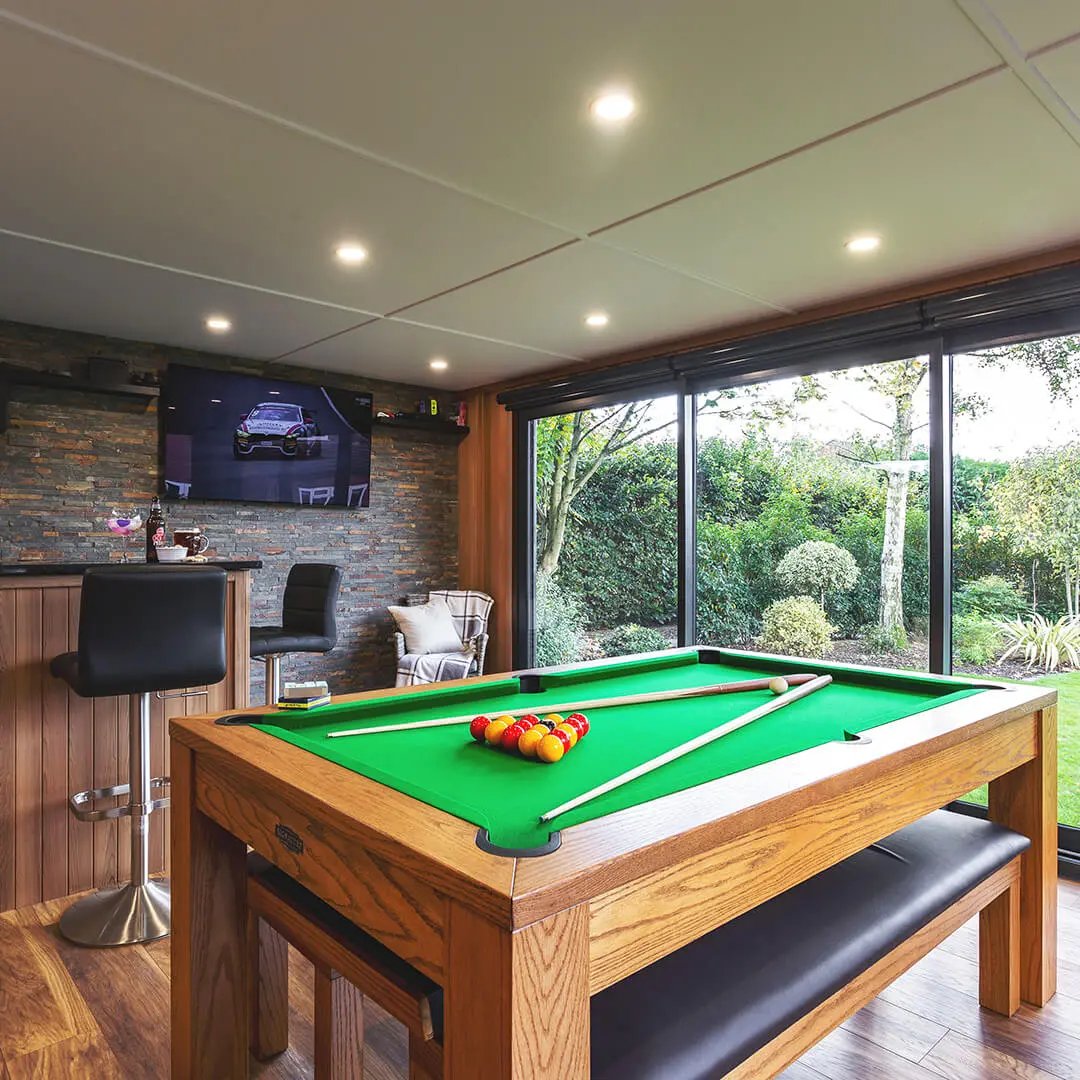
101	1014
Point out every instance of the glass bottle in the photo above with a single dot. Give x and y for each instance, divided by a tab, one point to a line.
155	530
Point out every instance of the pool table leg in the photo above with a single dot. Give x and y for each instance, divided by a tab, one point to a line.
210	1019
517	1003
1026	800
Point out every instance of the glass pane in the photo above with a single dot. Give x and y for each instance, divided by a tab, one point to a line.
606	532
1016	529
813	516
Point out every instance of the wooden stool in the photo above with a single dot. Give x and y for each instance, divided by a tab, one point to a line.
349	965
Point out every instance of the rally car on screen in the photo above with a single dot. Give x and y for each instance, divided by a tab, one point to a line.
277	425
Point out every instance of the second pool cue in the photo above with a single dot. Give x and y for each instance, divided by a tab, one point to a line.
581	706
691	745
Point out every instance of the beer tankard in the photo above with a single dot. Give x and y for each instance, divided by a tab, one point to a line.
194	539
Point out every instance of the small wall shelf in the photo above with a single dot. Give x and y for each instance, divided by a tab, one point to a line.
430	427
13	375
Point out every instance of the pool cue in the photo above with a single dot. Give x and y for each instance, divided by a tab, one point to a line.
581	706
693	744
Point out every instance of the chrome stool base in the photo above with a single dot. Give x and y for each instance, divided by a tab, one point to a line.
121	916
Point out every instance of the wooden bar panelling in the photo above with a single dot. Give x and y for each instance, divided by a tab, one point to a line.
53	742
7	750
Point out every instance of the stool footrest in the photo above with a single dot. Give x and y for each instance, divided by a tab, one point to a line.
81	804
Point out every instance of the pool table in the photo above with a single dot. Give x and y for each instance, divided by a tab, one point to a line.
432	842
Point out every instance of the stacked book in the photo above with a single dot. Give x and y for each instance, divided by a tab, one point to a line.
305	695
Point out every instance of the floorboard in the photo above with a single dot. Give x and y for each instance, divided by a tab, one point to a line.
68	1013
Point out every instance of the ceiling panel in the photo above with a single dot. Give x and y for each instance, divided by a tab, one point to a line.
401	351
1035	23
117	161
492	94
53	286
969	177
543	303
1062	68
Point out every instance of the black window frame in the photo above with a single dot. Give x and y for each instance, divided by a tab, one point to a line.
1030	307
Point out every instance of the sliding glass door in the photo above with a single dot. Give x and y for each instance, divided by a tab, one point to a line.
1016	529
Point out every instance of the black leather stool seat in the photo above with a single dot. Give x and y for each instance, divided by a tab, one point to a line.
279	639
706	1008
307	614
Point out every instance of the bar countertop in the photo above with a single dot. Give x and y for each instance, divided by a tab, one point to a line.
45	569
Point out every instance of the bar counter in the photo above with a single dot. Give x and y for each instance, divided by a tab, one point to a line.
53	742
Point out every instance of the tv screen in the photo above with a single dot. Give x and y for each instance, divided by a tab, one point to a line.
254	439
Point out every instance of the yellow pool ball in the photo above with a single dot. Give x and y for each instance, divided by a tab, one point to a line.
550	749
494	731
528	742
554	717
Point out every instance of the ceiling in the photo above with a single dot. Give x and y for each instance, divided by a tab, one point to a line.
163	162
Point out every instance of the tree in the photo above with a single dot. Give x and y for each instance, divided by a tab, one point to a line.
572	446
818	566
1038	504
898	382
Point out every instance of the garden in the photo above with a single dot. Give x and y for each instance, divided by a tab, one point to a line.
810	545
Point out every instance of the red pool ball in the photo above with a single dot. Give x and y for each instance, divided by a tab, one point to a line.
581	722
530	719
511	735
478	727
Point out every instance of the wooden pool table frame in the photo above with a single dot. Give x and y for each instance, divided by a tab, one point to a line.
520	944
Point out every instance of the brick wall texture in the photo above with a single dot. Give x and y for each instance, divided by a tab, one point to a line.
68	459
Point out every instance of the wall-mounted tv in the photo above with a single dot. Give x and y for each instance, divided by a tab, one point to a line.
251	438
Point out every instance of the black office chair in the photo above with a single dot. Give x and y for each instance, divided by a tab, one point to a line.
308	622
141	629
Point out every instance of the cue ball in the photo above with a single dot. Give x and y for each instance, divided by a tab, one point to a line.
778	685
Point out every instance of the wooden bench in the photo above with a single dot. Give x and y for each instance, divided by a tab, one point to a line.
744	1001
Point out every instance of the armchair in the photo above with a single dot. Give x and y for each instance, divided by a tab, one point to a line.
470	612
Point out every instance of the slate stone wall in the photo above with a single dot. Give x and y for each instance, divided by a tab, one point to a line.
68	459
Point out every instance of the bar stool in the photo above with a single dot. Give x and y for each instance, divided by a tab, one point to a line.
308	623
142	629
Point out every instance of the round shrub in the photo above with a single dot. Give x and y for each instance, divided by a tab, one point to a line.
632	638
976	640
560	628
820	567
796	626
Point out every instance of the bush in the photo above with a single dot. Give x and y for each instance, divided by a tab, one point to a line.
820	567
1043	643
976	640
877	639
796	626
632	638
991	597
560	628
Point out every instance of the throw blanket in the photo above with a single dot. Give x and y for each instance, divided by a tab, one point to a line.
433	667
470	611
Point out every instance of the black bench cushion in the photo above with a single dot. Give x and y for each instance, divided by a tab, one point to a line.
707	1007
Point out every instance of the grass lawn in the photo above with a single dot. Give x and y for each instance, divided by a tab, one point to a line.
1068	688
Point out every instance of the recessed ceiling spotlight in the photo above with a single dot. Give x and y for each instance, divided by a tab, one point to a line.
596	319
438	364
215	401
613	106
859	245
218	324
276	392
351	254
